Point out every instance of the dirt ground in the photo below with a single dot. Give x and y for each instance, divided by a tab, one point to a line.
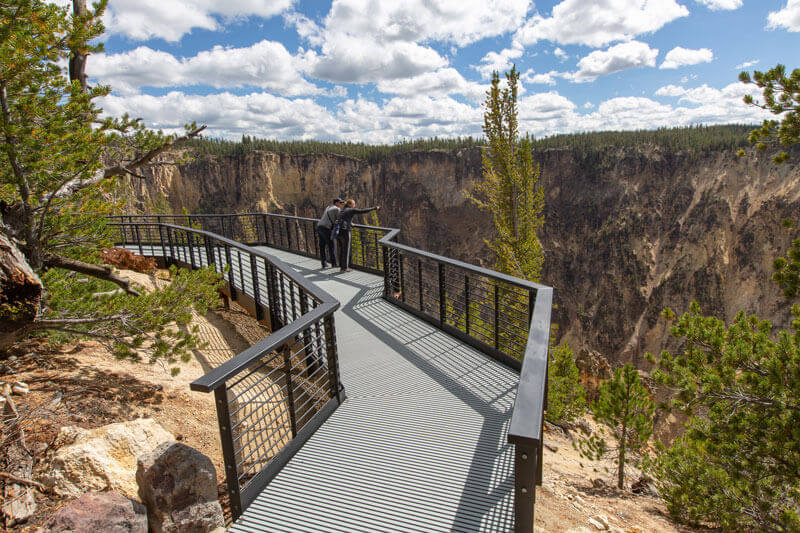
83	385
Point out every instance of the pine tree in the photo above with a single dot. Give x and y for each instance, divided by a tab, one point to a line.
510	189
624	406
781	97
55	185
566	397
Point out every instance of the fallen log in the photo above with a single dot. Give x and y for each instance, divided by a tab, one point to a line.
20	293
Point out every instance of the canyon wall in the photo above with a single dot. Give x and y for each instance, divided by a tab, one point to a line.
628	231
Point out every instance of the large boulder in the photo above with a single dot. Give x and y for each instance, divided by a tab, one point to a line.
108	512
103	458
178	485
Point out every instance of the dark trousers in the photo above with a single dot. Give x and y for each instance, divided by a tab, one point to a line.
326	244
343	247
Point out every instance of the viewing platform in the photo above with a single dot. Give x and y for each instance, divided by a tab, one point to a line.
387	398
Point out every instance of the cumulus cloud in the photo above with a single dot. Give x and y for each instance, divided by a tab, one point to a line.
679	56
265	64
171	20
747	64
561	54
717	5
788	17
498	62
615	59
597	24
442	82
544	78
366	41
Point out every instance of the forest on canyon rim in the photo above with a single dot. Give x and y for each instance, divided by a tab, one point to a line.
634	221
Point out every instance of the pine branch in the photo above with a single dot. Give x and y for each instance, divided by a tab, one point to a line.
96	271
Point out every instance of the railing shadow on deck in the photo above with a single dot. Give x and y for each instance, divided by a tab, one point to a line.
504	317
487	502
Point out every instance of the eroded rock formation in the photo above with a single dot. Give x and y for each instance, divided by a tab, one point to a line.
628	231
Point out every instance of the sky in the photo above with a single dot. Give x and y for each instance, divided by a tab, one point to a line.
382	71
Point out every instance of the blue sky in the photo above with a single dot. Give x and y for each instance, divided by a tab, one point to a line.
381	71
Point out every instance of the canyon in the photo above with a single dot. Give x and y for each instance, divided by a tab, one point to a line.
628	230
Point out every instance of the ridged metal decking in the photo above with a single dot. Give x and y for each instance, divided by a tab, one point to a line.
420	442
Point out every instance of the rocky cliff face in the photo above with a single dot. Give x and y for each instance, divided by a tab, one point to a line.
628	231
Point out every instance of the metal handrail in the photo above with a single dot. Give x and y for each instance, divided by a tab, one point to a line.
526	427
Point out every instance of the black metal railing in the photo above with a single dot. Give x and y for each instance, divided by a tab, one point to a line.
271	397
505	317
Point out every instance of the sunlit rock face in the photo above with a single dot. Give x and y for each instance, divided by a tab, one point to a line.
628	231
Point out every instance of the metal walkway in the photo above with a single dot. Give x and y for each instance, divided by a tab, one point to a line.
418	445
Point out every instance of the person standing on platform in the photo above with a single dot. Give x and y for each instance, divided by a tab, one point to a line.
324	227
344	223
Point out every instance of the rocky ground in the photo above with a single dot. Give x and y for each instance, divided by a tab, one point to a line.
83	385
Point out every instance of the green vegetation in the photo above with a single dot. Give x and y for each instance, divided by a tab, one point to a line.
624	406
368	152
781	97
737	465
510	189
55	190
566	398
692	139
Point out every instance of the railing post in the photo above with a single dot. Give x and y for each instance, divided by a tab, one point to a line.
171	246
272	297
211	260
442	296
466	303
386	272
139	239
311	361
288	235
526	459
161	238
228	453
231	288
377	262
287	368
333	358
256	288
419	281
402	286
496	317
190	239
264	224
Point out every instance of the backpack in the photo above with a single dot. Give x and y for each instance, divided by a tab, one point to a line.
336	228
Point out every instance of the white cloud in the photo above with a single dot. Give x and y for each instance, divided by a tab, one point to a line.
617	58
788	17
226	114
561	54
265	64
679	56
747	64
358	59
442	82
671	90
717	5
367	41
546	78
494	62
170	20
598	23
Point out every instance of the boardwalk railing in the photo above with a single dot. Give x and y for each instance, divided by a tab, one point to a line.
271	397
505	317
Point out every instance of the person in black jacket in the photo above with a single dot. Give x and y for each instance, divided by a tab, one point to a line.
324	227
345	222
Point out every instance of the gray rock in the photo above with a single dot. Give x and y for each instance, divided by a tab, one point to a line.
178	485
99	511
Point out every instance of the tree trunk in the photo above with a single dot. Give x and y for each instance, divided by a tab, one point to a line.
621	470
20	293
77	61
